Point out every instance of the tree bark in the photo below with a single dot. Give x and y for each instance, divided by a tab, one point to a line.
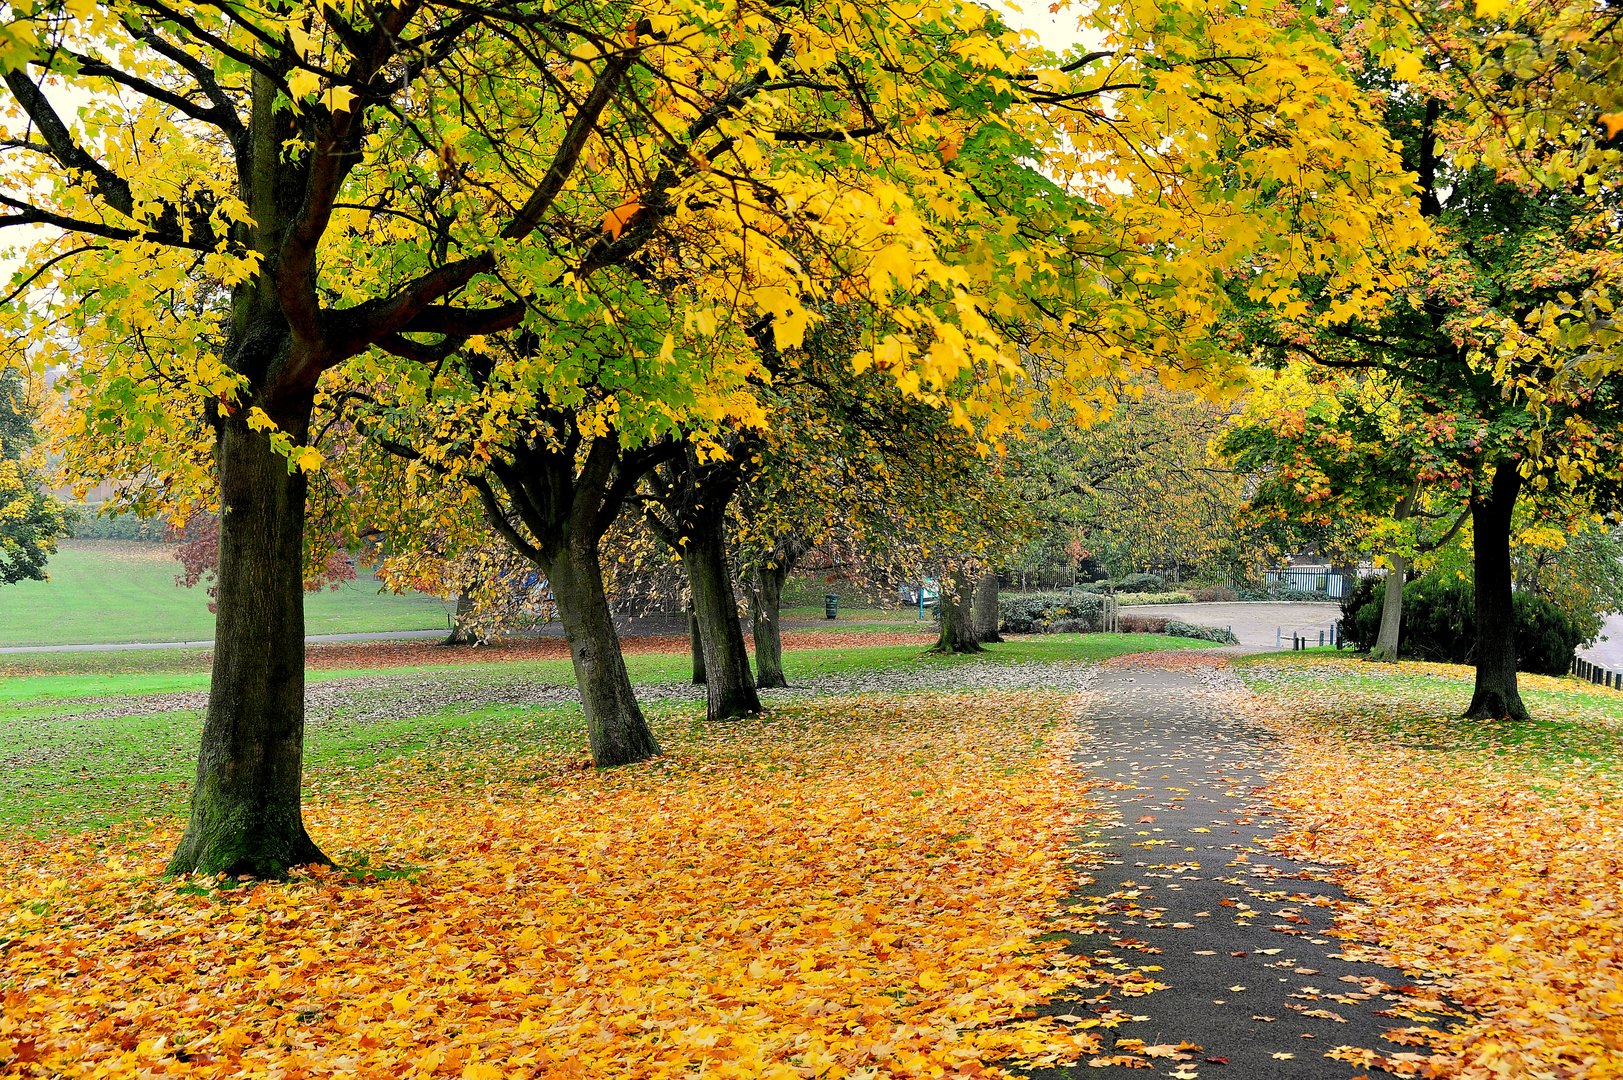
986	613
766	604
696	645
729	686
246	814
1497	696
1386	640
957	616
615	727
461	633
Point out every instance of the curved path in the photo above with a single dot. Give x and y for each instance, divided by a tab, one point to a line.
1252	974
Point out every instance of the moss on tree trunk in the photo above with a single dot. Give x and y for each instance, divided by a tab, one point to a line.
957	615
246	814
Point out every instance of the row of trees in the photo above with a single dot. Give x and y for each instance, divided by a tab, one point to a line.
442	268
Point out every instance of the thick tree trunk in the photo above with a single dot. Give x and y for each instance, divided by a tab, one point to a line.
766	603
696	645
986	613
615	727
729	686
462	632
957	617
246	815
1386	641
1497	696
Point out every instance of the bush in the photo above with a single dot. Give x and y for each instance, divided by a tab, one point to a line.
1215	594
1155	598
1142	624
1032	613
1439	623
1220	634
85	524
1280	592
1141	583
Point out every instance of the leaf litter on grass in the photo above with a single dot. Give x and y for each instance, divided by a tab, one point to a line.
1489	854
851	887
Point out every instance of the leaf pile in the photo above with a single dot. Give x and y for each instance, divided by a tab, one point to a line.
1490	853
845	888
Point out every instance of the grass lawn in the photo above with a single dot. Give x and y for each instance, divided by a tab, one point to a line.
111	592
1487	853
82	746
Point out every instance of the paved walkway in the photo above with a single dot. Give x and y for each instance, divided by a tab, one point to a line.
1261	626
1240	937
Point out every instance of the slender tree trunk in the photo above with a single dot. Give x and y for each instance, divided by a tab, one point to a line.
986	613
766	604
957	617
729	686
696	645
615	727
246	815
1386	641
1497	696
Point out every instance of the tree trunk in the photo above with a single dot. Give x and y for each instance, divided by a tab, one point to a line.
246	815
986	613
729	686
461	632
696	645
1386	641
1497	696
615	727
766	603
957	617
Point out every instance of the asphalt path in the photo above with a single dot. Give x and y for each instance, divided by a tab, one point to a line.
1187	895
1261	626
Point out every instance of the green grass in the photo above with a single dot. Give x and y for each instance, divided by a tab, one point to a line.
110	592
65	765
1419	706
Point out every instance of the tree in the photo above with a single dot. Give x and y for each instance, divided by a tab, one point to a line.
687	510
1494	339
1317	445
30	518
426	205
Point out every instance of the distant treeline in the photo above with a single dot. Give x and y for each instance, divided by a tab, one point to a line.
86	523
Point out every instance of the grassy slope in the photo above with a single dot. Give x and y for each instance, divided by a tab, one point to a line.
108	592
64	767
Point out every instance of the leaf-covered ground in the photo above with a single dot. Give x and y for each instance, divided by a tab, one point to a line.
847	887
1489	854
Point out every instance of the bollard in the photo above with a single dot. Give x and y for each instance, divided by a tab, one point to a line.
1321	639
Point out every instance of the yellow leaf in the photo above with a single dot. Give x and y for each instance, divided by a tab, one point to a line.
302	83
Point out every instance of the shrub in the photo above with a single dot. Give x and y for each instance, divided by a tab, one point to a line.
1032	613
1155	598
1142	624
1280	592
1215	594
1141	583
1220	634
1439	623
85	523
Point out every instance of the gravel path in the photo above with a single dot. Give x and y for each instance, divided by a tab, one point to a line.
1241	937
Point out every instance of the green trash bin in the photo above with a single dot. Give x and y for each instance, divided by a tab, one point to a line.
831	606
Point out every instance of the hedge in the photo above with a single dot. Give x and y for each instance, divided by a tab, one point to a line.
1439	623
